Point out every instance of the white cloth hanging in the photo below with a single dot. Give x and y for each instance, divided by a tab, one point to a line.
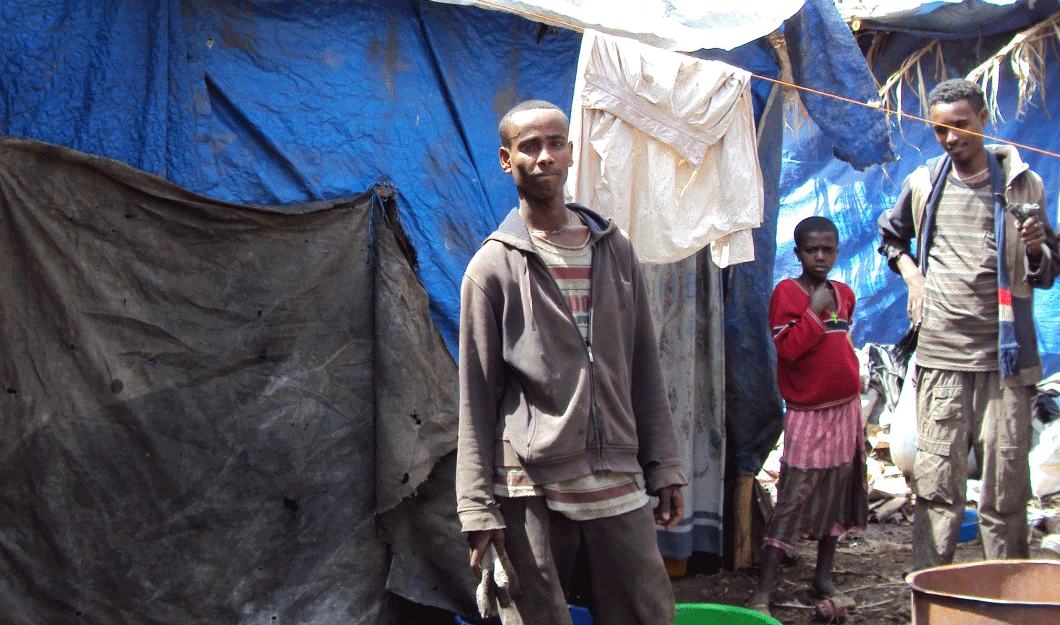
673	25
664	143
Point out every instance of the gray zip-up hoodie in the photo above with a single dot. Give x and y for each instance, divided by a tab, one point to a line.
534	393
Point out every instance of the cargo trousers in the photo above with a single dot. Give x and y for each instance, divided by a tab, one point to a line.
958	412
628	579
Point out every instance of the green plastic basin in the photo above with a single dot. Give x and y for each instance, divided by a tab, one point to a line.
717	614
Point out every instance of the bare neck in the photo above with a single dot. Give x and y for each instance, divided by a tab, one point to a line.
809	282
973	167
565	229
544	215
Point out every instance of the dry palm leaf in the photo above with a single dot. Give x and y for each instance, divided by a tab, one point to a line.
1026	53
910	72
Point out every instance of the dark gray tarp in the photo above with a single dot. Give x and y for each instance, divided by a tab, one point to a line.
206	405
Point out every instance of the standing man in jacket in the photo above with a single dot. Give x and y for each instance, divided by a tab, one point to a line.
984	242
565	428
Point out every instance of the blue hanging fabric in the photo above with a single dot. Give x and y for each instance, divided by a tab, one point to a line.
825	57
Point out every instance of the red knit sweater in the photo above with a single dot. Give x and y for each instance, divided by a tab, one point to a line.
816	364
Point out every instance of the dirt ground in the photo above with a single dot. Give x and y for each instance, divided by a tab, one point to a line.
869	567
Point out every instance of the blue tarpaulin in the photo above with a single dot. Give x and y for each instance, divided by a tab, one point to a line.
272	102
962	19
813	182
825	59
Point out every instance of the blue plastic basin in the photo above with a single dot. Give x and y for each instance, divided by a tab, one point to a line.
969	527
578	616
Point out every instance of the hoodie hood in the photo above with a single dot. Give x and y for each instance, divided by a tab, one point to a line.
513	230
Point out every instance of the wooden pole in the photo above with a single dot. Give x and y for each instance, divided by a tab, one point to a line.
743	515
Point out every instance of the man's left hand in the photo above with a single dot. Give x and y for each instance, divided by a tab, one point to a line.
671	508
1033	235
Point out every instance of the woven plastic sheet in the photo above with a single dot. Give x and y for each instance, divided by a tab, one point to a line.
825	58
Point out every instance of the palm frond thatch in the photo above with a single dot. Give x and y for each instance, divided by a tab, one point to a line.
910	72
1026	54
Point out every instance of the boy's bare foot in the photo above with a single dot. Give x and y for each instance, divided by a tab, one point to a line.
760	603
825	589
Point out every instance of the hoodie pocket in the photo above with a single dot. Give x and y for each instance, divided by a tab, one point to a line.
541	437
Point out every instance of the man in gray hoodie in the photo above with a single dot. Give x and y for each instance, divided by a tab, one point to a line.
565	428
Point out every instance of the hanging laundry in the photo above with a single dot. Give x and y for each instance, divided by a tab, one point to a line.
665	144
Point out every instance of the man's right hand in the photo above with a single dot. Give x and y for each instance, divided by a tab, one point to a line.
914	280
915	303
478	542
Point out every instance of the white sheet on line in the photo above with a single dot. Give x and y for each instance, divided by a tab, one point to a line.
665	144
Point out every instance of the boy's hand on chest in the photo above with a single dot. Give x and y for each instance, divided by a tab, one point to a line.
822	298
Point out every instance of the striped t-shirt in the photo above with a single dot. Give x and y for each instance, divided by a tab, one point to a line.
959	328
598	495
572	269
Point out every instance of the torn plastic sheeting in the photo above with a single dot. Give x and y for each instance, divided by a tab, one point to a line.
961	19
190	422
825	57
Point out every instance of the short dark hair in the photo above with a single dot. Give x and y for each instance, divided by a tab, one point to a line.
526	105
814	224
955	90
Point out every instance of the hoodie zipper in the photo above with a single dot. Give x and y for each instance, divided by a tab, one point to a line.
586	342
594	417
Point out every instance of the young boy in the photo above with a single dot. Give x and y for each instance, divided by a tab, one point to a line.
563	410
822	490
